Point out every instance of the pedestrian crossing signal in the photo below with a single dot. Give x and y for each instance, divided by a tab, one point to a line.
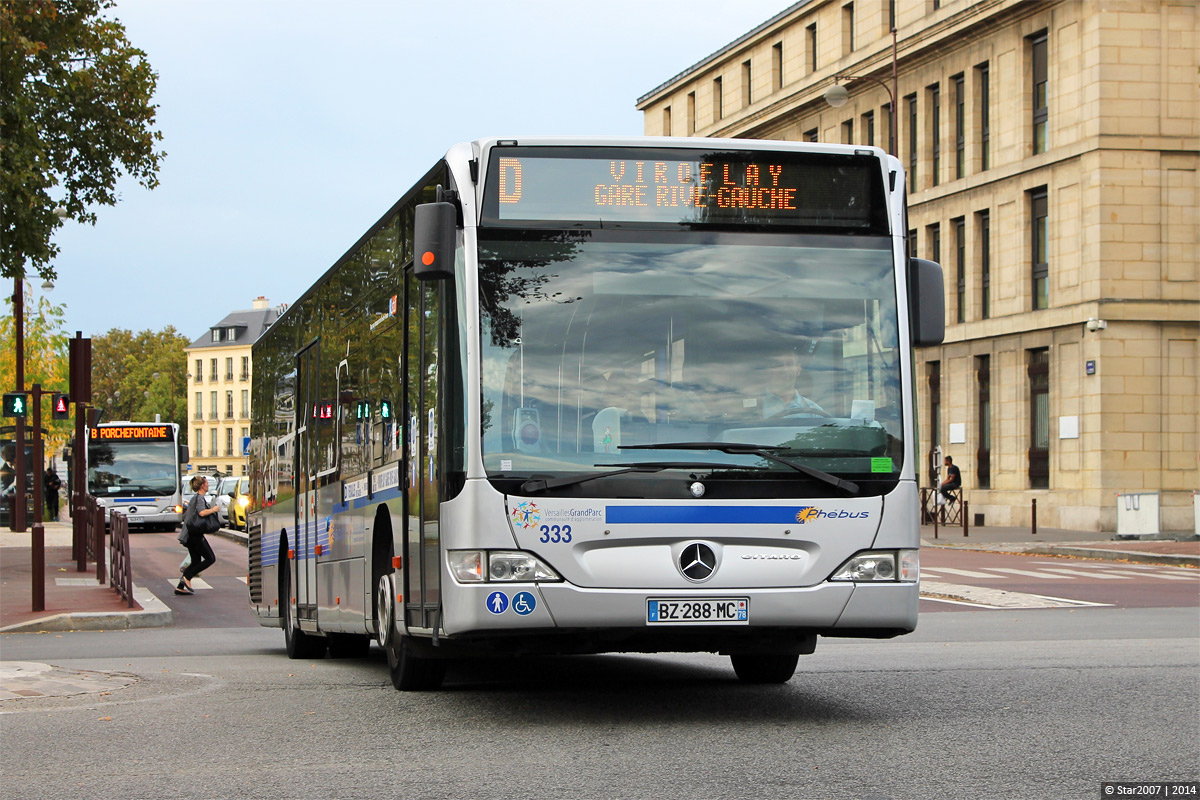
385	409
61	406
14	404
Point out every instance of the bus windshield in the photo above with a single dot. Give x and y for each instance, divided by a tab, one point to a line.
129	469
596	341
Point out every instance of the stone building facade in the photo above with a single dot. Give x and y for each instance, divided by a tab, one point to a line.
1052	154
220	372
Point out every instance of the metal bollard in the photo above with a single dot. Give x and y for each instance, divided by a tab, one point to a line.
965	508
1034	515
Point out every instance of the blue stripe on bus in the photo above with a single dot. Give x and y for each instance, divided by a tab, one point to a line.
702	515
382	496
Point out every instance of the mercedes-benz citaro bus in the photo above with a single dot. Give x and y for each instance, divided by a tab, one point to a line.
600	395
134	468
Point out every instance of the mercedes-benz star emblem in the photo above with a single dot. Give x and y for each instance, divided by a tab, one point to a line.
697	562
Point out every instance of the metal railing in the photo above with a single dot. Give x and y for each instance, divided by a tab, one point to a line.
953	512
121	577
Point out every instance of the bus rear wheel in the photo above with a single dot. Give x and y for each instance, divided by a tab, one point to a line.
410	672
765	667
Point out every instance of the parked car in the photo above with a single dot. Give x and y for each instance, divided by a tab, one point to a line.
239	503
230	486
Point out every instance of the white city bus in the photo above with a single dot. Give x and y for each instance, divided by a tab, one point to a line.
134	468
600	395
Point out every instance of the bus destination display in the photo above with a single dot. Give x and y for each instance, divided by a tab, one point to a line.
127	433
613	187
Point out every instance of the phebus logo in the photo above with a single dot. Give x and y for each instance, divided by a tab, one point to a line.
809	513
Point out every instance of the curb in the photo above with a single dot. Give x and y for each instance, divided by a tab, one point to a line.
153	614
1096	553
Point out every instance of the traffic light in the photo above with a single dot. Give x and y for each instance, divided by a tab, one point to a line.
15	404
385	409
61	406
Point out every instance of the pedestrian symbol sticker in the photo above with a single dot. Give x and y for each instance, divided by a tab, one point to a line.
524	603
497	602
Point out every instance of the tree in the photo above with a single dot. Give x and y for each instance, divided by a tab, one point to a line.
135	376
46	358
75	112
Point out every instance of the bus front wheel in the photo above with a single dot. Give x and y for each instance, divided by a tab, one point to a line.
765	667
410	672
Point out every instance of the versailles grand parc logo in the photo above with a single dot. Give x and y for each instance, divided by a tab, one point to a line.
526	514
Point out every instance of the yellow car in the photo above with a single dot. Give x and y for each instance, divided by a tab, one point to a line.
239	502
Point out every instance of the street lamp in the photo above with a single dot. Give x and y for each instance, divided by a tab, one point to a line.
837	95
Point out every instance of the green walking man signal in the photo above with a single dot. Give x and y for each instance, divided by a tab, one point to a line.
15	404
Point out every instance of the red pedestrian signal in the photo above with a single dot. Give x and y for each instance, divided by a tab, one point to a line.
61	406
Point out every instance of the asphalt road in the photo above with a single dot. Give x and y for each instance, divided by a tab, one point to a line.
1043	703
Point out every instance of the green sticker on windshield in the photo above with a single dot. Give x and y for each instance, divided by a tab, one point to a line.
881	465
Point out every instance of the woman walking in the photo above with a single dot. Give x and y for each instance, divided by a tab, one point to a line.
196	521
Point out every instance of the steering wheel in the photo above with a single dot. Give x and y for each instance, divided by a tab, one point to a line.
799	412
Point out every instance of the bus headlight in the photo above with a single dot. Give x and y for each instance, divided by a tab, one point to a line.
880	565
509	566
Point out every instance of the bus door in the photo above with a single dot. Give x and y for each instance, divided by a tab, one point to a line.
308	415
422	574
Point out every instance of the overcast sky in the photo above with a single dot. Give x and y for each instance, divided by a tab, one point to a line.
290	126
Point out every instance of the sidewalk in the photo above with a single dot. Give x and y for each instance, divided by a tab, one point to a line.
75	601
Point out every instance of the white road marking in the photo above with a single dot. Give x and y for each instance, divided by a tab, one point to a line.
1094	574
967	573
996	598
1162	576
1030	573
197	583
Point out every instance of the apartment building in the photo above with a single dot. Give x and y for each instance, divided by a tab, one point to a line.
220	372
1051	151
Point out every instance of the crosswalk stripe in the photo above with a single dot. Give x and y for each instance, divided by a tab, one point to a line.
1082	574
966	573
995	598
1159	575
1030	573
197	583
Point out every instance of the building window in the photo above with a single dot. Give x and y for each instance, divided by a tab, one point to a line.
960	126
891	15
985	115
746	77
212	370
960	267
691	113
1038	214
718	100
885	114
245	404
848	29
848	132
868	128
245	368
229	369
934	376
228	442
810	135
911	100
199	370
935	123
666	129
229	405
983	402
199	440
933	238
983	221
212	441
1040	71
216	334
199	412
1039	418
811	38
212	405
777	65
912	243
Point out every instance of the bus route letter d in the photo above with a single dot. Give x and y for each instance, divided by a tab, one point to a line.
510	180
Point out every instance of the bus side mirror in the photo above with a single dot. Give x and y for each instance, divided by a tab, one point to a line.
926	302
183	454
434	226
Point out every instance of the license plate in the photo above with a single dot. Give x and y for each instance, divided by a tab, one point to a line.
132	520
718	611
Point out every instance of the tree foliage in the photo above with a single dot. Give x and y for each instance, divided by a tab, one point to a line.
75	113
46	358
135	376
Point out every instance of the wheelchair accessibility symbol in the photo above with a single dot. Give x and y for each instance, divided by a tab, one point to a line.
524	603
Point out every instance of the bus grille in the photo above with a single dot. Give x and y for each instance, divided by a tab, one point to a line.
254	555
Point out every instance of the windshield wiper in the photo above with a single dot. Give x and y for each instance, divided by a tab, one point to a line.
540	485
744	449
